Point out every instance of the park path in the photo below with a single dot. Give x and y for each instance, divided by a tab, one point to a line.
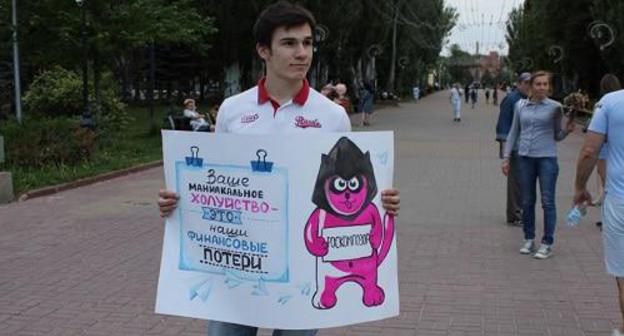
86	261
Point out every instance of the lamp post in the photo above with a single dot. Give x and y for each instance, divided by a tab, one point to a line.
86	119
16	67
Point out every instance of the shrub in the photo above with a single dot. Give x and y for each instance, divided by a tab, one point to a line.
114	119
56	92
44	141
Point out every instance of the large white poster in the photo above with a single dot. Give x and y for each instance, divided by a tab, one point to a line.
280	231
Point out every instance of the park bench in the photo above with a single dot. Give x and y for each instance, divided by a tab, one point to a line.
178	123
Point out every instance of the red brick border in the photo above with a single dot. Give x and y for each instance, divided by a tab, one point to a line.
46	191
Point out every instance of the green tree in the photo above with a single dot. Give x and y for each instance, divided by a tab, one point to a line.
554	35
459	61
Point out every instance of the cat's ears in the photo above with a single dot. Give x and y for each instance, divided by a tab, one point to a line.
327	160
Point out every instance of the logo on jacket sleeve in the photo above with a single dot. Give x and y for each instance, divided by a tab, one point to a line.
302	122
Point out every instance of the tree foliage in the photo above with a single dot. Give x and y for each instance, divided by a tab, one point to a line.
458	63
562	36
198	43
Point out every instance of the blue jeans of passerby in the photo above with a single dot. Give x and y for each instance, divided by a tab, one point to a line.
216	328
545	170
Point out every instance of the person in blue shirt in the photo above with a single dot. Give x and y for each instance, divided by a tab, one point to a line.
536	128
608	120
608	83
505	117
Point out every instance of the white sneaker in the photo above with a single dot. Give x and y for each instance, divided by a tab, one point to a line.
543	252
527	247
616	332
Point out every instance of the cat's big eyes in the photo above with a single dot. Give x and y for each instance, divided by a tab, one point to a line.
340	184
354	184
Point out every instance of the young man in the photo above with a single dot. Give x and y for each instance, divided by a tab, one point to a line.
282	102
608	120
505	117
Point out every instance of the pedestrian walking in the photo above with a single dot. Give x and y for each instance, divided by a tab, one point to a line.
487	96
284	41
366	104
505	118
536	127
608	84
455	99
474	96
467	93
607	121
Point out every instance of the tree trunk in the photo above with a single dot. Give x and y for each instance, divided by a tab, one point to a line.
97	79
202	87
391	76
169	89
152	80
232	79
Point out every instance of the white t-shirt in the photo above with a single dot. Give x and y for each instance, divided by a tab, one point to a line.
455	96
608	119
255	112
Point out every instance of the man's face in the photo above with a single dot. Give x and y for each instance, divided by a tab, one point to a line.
524	87
290	54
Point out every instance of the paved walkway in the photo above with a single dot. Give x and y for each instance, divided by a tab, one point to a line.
86	261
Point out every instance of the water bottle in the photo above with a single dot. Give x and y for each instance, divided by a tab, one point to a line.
576	214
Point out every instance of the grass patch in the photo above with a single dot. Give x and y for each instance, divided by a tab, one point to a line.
142	145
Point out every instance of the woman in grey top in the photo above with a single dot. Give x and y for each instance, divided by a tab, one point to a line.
536	128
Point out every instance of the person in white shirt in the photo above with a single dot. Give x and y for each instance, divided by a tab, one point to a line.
198	121
282	102
455	99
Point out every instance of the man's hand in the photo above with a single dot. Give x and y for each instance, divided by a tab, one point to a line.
391	201
582	196
167	202
506	167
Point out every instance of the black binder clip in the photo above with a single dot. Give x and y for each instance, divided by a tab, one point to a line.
194	160
261	165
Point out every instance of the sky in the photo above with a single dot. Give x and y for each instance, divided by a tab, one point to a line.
483	21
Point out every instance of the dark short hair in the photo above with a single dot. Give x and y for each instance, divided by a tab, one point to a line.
280	14
609	83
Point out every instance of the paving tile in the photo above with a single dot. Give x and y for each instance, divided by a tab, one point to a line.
82	271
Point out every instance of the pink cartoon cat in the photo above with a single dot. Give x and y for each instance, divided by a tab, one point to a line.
343	194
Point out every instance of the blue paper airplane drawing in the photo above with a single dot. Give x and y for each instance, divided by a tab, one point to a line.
231	280
201	290
284	299
383	158
260	288
305	289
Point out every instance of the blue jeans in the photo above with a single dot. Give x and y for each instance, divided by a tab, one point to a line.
546	170
216	328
